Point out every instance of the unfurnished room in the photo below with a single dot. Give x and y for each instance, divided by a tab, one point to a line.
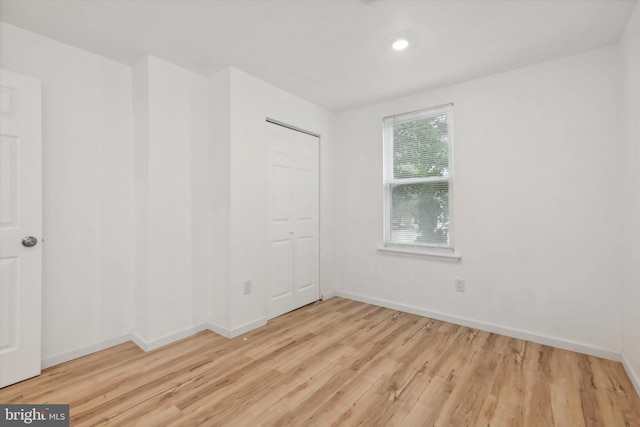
320	213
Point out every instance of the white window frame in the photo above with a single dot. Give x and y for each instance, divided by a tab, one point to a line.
446	251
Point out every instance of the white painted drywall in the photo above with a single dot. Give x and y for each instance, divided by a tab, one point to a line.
88	265
140	92
537	203
240	204
140	195
174	110
217	258
630	50
202	198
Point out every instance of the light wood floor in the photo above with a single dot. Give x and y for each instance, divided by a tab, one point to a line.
340	362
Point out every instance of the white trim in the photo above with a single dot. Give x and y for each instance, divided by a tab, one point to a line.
239	330
288	126
633	375
231	333
84	351
138	341
425	112
220	330
490	327
327	295
426	252
425	180
167	339
147	346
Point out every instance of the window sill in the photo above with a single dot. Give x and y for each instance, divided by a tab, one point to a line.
426	253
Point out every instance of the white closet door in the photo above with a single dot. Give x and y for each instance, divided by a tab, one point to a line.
20	227
293	219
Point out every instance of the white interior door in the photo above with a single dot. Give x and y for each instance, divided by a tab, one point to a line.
293	215
20	227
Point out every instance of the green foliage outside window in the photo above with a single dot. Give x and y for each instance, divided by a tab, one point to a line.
420	150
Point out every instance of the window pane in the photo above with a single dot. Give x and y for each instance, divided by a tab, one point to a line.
420	147
420	214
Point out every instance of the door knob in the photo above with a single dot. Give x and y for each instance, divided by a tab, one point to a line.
29	241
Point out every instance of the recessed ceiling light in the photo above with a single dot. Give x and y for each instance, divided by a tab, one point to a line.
400	44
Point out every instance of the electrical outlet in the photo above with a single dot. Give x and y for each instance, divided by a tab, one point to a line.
247	287
460	285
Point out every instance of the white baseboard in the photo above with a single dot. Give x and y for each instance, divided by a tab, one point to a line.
65	357
633	375
146	345
249	326
327	295
239	330
489	327
167	339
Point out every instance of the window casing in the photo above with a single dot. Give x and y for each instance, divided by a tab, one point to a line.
418	179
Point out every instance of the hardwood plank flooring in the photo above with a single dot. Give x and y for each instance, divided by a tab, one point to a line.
340	363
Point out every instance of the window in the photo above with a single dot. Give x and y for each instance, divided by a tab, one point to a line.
418	179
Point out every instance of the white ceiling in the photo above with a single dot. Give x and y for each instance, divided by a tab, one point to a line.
334	53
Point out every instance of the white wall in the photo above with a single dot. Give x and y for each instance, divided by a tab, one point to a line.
154	195
538	167
251	101
140	74
173	117
630	47
87	190
202	199
537	206
220	199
